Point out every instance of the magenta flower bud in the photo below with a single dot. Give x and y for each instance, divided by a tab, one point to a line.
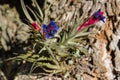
36	26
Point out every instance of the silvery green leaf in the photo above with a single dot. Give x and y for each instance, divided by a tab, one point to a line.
25	11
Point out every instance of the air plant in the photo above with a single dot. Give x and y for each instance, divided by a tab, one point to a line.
53	45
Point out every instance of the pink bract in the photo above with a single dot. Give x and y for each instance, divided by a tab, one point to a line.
36	26
96	17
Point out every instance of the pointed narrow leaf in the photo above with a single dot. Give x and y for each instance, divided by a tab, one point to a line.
39	9
36	17
25	11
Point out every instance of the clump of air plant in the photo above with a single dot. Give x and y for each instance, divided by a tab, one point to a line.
53	45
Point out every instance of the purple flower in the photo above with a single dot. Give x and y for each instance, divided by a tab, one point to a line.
99	15
50	30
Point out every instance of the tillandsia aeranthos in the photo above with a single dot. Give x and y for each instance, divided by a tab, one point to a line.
50	52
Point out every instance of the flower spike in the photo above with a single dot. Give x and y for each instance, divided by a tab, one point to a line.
96	17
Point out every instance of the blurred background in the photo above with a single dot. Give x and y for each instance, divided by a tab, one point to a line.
13	36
